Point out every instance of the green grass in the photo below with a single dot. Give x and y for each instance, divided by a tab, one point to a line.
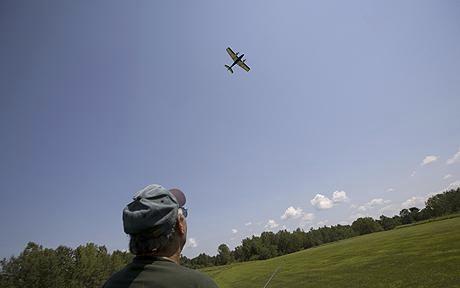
426	255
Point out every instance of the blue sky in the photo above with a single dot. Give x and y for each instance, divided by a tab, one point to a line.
349	109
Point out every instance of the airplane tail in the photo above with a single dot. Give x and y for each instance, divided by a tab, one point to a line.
229	68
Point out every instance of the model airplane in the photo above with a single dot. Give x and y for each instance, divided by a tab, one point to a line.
236	60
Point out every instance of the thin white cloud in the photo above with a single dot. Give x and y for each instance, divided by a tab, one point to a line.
419	201
390	189
321	202
362	208
447	176
248	224
292	213
234	231
454	159
414	201
192	243
340	196
373	204
429	159
454	185
390	209
413	173
271	224
356	216
322	223
378	201
308	217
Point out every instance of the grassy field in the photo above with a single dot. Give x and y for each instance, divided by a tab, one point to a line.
426	255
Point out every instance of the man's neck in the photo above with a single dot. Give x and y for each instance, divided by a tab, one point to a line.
175	257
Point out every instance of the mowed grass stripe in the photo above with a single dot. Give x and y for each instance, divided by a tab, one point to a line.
426	255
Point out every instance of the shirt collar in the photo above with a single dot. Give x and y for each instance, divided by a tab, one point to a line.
151	258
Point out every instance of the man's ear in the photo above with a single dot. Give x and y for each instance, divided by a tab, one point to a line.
181	225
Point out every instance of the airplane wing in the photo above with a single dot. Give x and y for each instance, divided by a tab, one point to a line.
231	53
243	65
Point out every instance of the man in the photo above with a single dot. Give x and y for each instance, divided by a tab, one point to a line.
155	222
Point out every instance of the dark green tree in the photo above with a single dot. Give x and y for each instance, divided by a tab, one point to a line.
366	225
223	255
387	223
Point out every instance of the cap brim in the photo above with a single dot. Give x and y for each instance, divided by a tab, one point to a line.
180	196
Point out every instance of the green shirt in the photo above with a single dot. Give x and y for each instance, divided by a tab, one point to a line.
151	271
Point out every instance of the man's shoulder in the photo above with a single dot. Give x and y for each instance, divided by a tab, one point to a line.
122	278
196	273
164	273
196	276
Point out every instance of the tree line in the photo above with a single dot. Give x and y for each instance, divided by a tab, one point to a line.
84	266
90	265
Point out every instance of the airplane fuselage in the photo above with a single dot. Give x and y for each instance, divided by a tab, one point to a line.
236	61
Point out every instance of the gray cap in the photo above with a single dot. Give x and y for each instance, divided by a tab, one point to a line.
154	209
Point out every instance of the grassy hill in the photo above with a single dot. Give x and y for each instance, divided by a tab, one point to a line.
426	255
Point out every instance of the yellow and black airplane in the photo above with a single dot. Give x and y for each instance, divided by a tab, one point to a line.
236	60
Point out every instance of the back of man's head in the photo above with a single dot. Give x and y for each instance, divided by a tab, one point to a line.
155	221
